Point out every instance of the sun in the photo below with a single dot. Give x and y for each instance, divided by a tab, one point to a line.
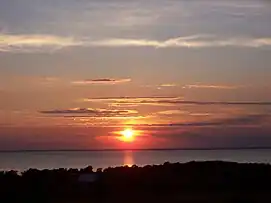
127	135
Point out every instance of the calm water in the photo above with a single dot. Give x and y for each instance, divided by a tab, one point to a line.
101	159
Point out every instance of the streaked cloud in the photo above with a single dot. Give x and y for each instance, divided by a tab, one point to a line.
153	98
9	42
32	43
168	85
86	112
177	112
242	5
196	41
214	103
47	81
168	101
103	81
256	119
200	114
160	86
201	86
172	112
131	101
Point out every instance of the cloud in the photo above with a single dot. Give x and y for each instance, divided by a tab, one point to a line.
168	85
237	121
131	101
153	98
201	86
172	112
214	103
33	43
177	112
198	41
210	86
88	112
245	4
160	86
168	101
103	81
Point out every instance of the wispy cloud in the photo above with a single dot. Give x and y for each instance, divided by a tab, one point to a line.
32	43
153	98
177	112
131	101
201	86
244	4
215	103
190	86
103	81
168	85
172	112
89	112
235	121
168	101
186	42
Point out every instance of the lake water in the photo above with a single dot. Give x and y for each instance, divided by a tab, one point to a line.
21	161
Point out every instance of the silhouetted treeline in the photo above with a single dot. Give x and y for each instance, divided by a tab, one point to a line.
202	182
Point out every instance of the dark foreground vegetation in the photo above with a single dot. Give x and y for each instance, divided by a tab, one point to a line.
204	182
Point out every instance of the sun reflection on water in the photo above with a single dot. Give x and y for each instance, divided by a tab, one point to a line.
128	159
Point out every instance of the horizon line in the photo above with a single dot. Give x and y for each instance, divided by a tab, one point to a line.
135	149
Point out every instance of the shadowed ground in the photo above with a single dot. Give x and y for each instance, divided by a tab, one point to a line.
202	182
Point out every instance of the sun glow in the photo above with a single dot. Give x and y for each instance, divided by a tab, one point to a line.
127	135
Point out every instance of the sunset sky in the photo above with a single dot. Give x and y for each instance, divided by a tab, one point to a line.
181	74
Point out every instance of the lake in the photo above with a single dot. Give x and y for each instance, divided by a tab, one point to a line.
21	161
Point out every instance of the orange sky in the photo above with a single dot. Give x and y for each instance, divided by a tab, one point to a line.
184	74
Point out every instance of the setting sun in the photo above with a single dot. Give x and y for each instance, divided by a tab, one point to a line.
127	135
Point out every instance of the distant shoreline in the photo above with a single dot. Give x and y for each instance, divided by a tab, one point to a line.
152	149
